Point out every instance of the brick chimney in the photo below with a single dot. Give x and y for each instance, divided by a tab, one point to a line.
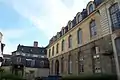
35	44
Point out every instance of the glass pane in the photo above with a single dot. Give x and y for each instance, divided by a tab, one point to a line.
117	42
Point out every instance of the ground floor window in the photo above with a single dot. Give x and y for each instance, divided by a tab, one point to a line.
69	64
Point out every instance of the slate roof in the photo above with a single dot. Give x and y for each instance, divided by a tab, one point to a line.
32	49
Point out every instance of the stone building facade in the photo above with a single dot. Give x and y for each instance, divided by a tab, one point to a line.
85	44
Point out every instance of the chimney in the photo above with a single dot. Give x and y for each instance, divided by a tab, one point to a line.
35	44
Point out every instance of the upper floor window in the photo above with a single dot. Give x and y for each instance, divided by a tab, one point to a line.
57	48
93	29
49	52
63	45
53	51
79	36
115	16
70	41
91	8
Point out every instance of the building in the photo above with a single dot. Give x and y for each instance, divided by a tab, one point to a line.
1	48
31	58
6	65
86	45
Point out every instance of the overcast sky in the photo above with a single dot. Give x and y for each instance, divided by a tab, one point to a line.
25	21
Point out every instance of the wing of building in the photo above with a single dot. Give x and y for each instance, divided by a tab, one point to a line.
85	45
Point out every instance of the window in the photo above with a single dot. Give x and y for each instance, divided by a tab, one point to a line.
79	36
79	18
63	45
115	16
42	63
91	8
70	41
49	52
57	48
81	65
69	64
52	67
93	30
62	64
117	43
18	59
32	63
53	51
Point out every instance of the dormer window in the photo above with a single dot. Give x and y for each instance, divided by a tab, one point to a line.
79	17
91	8
69	25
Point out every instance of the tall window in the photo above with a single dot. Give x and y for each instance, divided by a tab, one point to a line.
18	59
91	8
63	45
49	52
62	64
53	51
117	42
57	48
81	63
70	41
79	36
51	67
32	63
115	16
69	64
93	29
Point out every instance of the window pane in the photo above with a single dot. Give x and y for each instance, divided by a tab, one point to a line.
79	36
117	42
93	28
115	16
90	8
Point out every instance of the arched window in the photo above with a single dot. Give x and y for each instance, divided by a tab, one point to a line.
93	29
79	36
63	45
115	16
91	8
70	41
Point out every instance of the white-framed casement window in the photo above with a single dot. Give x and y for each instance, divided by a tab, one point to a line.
115	16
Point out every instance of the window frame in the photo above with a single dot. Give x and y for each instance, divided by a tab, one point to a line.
114	16
79	36
63	45
91	8
53	51
93	28
70	41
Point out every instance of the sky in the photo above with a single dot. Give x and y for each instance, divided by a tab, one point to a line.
25	21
